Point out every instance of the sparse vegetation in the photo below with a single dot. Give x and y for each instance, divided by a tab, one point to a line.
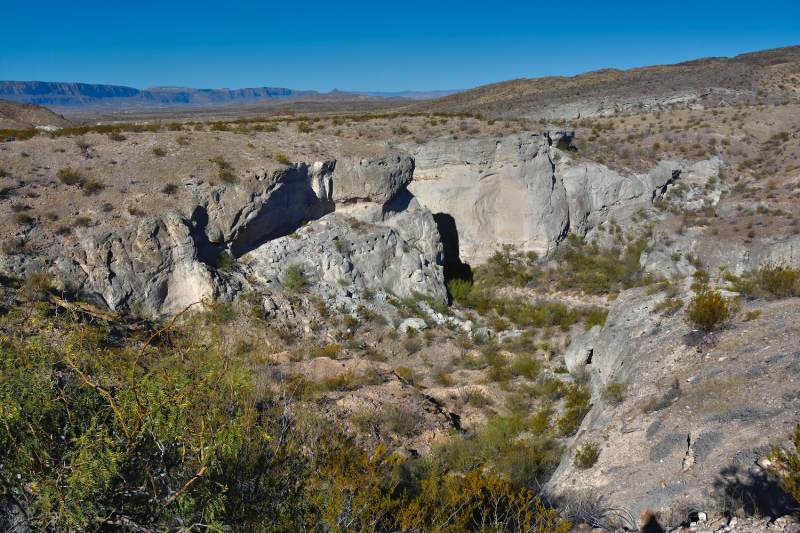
787	466
587	455
614	393
294	278
68	176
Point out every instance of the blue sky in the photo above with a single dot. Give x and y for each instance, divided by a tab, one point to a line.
380	46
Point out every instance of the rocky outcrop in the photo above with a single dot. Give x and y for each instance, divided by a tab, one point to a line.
511	191
520	203
613	104
595	193
360	255
246	213
152	263
508	150
162	263
691	425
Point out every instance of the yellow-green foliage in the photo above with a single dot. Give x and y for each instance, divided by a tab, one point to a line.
295	279
709	310
101	431
68	176
332	351
528	461
614	393
598	271
586	456
576	407
787	466
769	281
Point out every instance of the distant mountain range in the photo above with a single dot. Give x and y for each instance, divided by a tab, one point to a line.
115	97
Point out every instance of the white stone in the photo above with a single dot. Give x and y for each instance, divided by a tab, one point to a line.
413	323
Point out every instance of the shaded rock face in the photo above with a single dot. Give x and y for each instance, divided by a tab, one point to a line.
152	263
164	263
511	191
245	214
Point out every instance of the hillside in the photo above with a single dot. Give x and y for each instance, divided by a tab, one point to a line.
766	76
14	115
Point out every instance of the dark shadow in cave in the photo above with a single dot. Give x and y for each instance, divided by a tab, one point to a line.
454	268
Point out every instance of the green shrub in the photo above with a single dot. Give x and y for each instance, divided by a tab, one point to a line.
527	366
614	393
68	176
411	346
669	306
226	176
82	222
159	152
302	127
23	217
331	351
220	162
596	317
587	455
282	159
92	186
294	278
116	136
575	409
225	262
709	310
778	281
752	315
406	374
400	421
552	389
787	466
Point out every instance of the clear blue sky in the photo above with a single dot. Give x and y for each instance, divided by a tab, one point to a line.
376	45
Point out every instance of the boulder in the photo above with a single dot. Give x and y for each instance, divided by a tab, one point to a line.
413	323
331	249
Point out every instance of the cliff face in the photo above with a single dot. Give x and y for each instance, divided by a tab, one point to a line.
516	190
163	263
56	94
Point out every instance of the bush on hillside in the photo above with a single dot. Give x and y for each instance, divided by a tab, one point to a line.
787	466
709	310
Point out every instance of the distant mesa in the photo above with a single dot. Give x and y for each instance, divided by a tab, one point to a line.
60	95
111	97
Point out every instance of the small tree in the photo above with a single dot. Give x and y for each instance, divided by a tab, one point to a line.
295	279
709	309
587	455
